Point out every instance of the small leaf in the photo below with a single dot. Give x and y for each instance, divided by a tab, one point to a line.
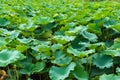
60	73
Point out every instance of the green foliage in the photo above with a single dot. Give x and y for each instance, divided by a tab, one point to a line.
110	77
9	56
60	39
80	73
102	61
60	73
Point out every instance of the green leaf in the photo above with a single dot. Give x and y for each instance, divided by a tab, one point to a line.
73	51
80	73
4	22
44	20
116	27
109	77
9	56
96	45
102	61
55	47
113	53
80	43
115	46
46	34
9	34
94	28
29	26
79	53
13	34
73	31
108	22
41	56
49	26
41	48
118	70
21	48
90	36
38	67
25	40
60	73
63	39
30	68
61	59
2	41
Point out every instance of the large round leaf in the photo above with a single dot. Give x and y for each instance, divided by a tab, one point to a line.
102	61
60	73
9	56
